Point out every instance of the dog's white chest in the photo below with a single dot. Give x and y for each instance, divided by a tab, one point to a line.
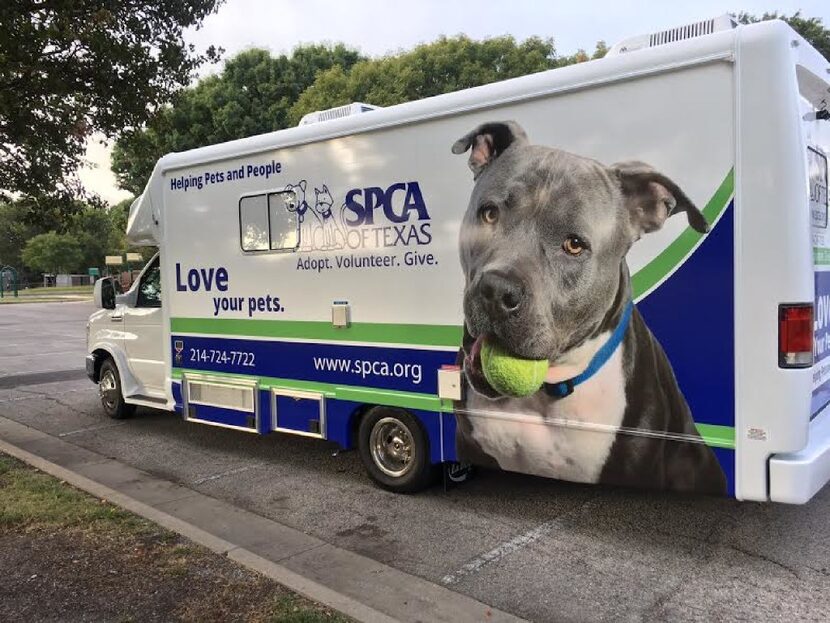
567	438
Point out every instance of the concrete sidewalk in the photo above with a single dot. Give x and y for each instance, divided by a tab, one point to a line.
355	585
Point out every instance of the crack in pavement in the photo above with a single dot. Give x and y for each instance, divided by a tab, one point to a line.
54	399
708	547
758	556
651	611
33	395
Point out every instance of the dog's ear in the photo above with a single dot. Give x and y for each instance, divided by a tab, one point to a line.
651	198
325	189
487	142
317	191
302	184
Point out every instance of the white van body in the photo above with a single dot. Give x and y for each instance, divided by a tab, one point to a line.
359	302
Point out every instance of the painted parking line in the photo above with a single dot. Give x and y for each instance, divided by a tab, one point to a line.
238	470
90	429
499	552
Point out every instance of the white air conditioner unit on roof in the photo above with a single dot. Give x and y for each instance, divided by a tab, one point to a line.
688	31
339	112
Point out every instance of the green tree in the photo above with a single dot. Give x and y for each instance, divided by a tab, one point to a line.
15	231
53	253
811	28
119	215
448	64
94	231
69	68
252	95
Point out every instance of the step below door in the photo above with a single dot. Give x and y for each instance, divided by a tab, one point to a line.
298	412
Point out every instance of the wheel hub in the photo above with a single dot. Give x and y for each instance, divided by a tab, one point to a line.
108	389
392	447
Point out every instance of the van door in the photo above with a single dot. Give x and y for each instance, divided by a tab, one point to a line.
143	335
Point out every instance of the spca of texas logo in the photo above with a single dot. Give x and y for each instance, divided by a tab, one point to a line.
402	217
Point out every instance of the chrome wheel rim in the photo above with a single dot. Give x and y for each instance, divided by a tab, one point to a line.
108	389
392	447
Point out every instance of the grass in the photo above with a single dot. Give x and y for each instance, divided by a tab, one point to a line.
69	537
39	299
46	295
32	500
56	290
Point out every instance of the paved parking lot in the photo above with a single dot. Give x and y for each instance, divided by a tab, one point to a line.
543	550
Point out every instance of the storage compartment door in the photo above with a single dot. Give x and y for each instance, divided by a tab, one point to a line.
225	402
298	412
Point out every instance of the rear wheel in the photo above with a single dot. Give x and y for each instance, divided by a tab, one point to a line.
109	388
395	450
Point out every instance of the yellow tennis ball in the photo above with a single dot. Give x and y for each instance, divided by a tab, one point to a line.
509	375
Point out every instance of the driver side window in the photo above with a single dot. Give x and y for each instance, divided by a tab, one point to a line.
149	290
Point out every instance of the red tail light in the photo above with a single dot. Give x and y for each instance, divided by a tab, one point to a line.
795	335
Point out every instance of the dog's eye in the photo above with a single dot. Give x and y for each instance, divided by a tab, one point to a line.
489	214
574	245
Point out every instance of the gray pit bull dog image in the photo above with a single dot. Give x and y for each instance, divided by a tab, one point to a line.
543	246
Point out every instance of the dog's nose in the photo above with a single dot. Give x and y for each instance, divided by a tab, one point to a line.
502	293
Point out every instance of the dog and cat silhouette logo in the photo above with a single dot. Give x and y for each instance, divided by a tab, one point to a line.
322	228
383	215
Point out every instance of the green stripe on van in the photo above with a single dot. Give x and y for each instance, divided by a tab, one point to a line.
821	256
717	436
381	333
673	255
713	435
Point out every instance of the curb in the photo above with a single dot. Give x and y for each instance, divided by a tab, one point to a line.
402	596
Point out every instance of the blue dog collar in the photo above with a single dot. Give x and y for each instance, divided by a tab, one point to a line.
566	388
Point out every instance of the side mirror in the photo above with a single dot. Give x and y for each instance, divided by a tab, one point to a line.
104	293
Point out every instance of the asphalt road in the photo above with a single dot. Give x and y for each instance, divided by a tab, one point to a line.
540	549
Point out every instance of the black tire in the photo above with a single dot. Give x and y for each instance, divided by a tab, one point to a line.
109	389
395	450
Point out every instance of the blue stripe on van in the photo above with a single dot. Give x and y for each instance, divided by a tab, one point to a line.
382	367
692	315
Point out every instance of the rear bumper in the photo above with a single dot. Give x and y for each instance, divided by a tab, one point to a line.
795	477
90	368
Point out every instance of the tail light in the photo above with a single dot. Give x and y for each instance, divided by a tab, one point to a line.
795	335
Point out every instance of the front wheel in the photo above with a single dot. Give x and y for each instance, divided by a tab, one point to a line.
109	388
395	450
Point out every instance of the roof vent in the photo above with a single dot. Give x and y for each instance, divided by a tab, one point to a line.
689	31
337	113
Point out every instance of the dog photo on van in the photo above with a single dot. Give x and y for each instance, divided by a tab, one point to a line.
562	376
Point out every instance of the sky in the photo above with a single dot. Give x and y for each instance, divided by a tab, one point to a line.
378	27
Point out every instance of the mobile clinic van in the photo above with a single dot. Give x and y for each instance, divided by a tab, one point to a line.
614	272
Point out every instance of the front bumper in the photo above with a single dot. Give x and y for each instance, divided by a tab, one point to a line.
795	477
91	360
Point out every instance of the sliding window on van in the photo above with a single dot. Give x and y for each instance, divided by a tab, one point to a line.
269	222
